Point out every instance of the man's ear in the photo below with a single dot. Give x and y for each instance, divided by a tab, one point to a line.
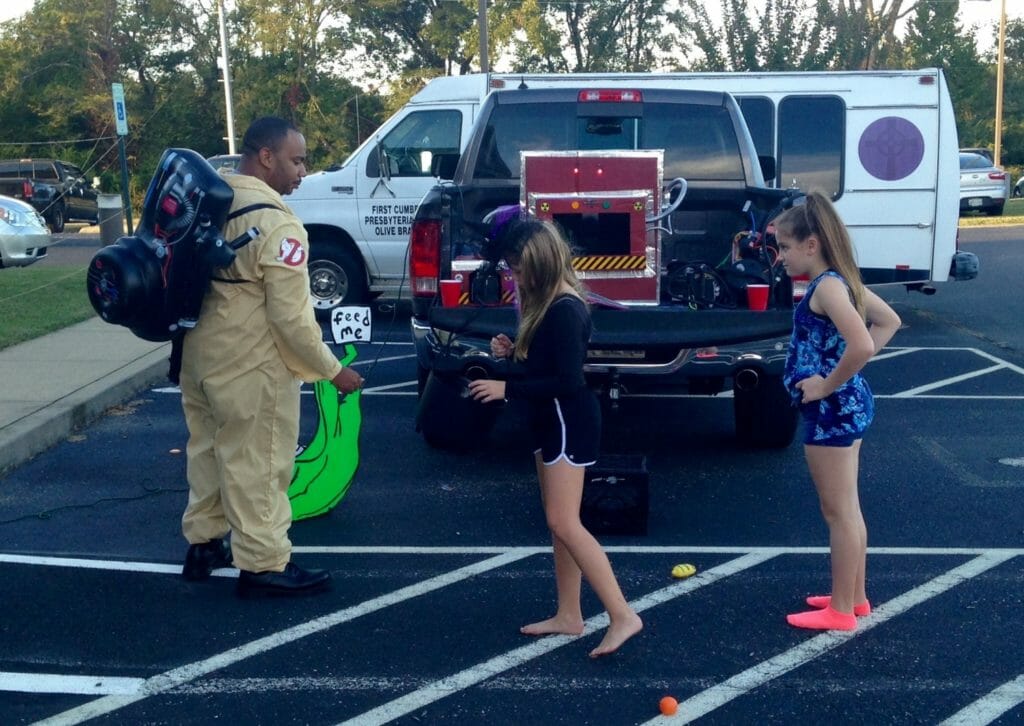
266	157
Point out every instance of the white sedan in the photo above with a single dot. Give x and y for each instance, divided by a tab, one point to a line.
24	236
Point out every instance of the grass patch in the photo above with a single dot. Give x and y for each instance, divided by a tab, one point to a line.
36	300
1013	213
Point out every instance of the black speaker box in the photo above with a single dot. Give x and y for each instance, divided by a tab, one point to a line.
615	496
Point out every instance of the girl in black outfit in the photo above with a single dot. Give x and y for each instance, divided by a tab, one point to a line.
551	345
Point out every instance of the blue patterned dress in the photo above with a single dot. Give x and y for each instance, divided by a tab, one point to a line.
815	348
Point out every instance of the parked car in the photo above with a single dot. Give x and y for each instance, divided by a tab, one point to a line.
984	187
24	237
1018	188
57	189
225	161
987	153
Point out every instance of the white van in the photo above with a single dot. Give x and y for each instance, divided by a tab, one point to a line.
882	143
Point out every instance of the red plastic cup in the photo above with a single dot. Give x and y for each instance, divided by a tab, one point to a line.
757	297
450	292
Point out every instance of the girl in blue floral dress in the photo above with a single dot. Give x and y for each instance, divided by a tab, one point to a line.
837	327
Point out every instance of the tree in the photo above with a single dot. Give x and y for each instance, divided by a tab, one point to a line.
414	37
582	37
794	34
783	36
935	39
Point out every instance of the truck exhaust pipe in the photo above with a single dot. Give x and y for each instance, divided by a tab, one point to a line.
748	379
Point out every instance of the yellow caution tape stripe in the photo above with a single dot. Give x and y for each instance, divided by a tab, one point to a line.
591	263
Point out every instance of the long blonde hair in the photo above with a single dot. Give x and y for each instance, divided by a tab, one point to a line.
544	263
818	216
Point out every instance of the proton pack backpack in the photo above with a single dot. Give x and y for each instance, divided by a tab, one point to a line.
154	281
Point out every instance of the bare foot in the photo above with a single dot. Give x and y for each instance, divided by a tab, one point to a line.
618	633
557	624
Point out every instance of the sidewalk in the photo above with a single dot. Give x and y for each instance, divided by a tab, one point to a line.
64	380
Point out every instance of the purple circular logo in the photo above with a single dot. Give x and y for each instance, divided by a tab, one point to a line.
891	148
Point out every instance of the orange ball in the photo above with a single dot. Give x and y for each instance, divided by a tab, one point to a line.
668	705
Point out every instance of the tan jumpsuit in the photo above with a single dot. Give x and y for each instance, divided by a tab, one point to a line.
239	390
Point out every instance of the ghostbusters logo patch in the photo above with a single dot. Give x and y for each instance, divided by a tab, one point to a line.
291	252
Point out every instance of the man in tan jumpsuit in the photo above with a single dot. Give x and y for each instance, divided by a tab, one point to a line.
256	336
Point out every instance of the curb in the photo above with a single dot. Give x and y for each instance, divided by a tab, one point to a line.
51	424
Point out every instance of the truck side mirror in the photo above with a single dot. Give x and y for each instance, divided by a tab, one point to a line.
378	164
442	165
767	163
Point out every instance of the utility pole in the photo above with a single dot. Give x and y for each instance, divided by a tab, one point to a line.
1000	62
230	111
482	23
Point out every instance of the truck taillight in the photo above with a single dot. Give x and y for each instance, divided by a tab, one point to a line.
610	95
26	190
425	257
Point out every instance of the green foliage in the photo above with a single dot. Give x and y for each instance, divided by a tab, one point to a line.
39	299
338	68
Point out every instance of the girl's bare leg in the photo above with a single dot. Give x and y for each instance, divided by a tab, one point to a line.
562	486
568	619
834	471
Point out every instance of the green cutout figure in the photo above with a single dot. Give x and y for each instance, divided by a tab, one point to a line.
324	470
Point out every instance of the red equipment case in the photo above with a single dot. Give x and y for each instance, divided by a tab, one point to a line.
601	200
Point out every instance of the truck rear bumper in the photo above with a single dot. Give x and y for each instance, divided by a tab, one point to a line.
643	345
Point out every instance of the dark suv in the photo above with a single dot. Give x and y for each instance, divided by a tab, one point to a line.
57	189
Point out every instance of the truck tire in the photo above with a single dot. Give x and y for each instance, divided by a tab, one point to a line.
336	278
56	218
449	418
763	413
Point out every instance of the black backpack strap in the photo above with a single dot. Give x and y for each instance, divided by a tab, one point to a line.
174	364
249	236
251	208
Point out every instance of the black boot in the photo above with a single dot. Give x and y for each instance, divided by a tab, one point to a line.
202	559
292	581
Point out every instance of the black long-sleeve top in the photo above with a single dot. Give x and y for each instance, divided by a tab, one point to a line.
554	365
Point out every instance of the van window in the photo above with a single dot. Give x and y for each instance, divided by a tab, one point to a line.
699	141
759	113
414	143
811	131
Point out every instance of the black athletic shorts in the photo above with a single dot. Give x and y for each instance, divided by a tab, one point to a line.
569	427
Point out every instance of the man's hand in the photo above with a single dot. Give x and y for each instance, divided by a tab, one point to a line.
347	381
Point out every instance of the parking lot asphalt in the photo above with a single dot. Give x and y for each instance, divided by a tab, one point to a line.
422	632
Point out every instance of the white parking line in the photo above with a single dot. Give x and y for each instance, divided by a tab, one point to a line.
990	707
471	676
119	693
77	685
175	569
708	700
946	382
191	671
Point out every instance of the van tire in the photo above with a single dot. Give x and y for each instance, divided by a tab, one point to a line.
764	416
336	277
